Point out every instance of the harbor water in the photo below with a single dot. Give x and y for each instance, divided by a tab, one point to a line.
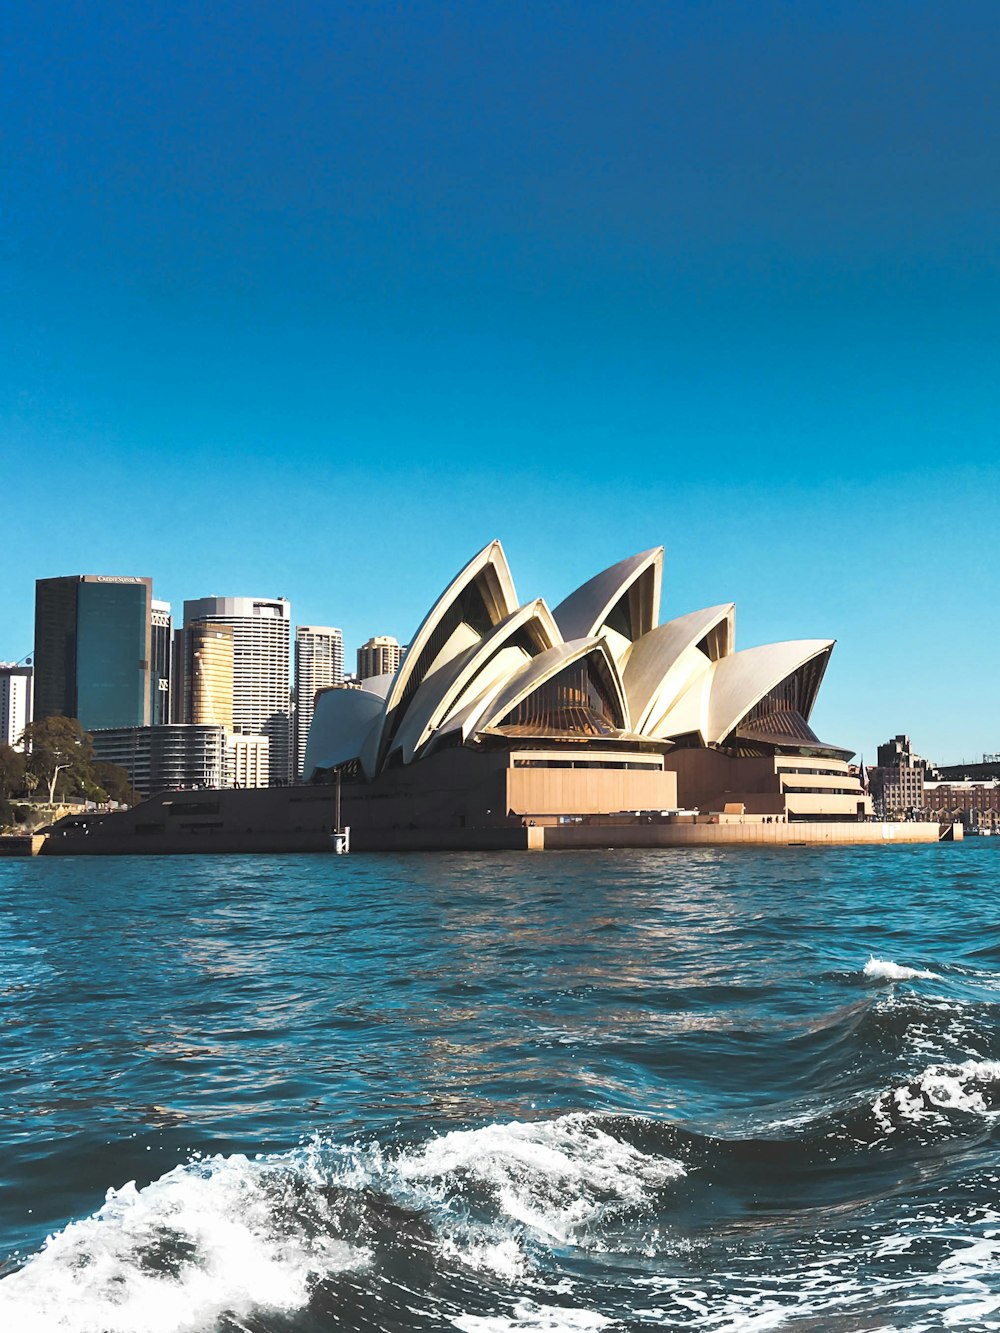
684	1089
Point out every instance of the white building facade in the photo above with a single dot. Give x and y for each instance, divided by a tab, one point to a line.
319	663
248	760
15	702
261	633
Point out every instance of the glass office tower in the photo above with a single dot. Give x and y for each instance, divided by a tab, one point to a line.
161	653
92	649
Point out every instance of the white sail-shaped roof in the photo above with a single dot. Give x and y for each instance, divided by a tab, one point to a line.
495	658
343	720
743	679
479	598
480	664
720	697
621	603
379	685
689	713
543	668
664	662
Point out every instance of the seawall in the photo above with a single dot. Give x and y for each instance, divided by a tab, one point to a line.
558	837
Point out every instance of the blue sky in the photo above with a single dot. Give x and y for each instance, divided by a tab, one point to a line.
316	299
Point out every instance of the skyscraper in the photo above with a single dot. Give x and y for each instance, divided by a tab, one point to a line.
15	701
204	673
161	644
319	663
261	631
379	656
92	649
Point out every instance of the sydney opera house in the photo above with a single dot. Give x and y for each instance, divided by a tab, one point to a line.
510	725
506	714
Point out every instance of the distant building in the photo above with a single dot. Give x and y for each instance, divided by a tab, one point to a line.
261	644
248	760
160	758
204	673
380	656
161	652
987	767
319	664
975	803
897	781
184	754
15	702
93	644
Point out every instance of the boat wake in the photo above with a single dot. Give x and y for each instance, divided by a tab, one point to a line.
231	1237
573	1224
864	1199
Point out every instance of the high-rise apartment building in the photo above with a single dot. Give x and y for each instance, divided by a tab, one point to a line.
161	646
204	671
319	663
93	642
15	702
261	643
379	656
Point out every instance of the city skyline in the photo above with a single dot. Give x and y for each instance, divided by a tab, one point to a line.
718	277
167	606
951	756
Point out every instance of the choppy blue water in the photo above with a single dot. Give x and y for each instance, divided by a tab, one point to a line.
700	1089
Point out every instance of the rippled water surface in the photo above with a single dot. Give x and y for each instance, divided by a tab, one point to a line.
682	1089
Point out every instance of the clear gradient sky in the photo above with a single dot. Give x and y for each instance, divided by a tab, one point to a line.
315	299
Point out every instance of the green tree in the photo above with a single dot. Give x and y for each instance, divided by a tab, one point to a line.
11	771
61	753
115	781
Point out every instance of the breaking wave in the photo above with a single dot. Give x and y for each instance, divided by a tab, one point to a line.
229	1237
477	1229
221	1235
881	969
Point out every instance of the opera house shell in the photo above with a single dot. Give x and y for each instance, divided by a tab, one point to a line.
503	712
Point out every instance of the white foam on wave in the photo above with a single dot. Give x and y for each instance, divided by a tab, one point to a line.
843	1285
974	1266
938	1089
553	1177
881	969
207	1237
527	1317
235	1235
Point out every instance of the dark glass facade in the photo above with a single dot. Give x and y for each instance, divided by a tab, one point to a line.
92	650
161	652
55	647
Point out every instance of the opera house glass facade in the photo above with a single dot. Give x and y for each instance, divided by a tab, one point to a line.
590	708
